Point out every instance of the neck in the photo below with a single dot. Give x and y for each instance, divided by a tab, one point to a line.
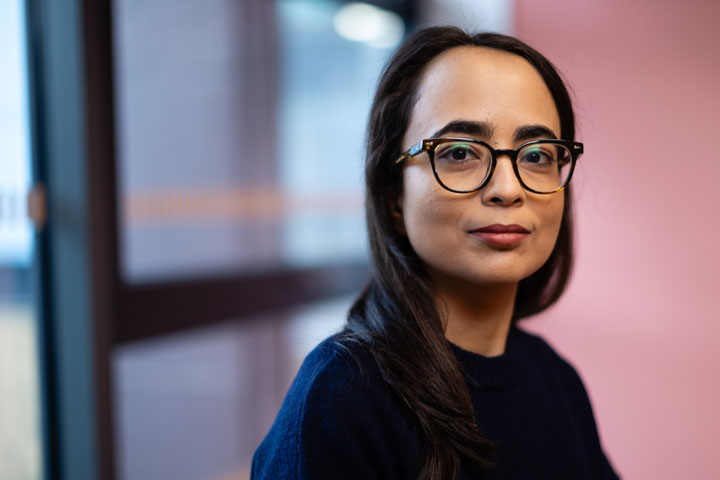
476	318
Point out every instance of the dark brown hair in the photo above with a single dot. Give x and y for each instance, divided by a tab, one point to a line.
395	316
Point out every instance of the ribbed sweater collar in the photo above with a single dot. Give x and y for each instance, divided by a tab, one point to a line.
487	373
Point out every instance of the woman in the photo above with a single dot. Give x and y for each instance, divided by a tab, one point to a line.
469	219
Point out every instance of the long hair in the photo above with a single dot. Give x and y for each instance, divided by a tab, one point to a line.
395	316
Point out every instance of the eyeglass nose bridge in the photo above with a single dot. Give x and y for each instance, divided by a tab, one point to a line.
505	152
496	154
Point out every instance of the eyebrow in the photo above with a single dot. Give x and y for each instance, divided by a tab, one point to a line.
477	129
531	132
485	130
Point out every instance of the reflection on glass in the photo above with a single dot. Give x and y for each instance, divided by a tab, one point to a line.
196	405
20	445
240	133
326	87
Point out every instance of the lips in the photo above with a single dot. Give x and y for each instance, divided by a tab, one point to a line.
497	228
504	236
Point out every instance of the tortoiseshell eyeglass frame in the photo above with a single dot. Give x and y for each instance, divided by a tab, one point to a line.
429	145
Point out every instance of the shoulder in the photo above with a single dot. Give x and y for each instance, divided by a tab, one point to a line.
565	378
547	358
337	381
335	369
558	376
339	412
346	395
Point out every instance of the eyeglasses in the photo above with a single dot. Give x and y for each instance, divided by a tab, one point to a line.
464	165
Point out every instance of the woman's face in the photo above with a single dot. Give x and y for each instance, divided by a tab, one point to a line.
500	99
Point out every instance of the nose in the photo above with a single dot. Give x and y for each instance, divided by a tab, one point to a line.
504	187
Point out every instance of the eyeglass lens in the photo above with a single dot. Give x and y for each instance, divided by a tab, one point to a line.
463	166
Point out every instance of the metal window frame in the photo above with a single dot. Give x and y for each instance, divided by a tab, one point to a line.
85	310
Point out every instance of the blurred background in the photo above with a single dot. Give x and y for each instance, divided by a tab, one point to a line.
181	220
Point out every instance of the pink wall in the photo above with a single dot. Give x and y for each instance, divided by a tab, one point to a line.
640	320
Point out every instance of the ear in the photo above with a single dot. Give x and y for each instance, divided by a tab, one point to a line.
397	213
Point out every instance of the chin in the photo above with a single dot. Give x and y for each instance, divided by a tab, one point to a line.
487	269
504	272
504	276
498	280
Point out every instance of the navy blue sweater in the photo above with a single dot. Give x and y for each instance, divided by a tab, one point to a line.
340	420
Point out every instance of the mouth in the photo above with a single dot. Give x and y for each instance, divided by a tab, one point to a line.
501	235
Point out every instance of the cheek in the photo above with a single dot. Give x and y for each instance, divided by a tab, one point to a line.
427	209
550	216
416	198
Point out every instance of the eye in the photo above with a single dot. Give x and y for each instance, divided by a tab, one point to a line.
460	153
538	156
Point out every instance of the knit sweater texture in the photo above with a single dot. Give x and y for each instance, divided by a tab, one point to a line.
341	420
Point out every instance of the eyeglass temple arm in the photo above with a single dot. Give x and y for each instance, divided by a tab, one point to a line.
414	150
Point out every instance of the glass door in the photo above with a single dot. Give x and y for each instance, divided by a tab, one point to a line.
20	424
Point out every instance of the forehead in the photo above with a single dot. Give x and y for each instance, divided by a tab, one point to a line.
481	84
